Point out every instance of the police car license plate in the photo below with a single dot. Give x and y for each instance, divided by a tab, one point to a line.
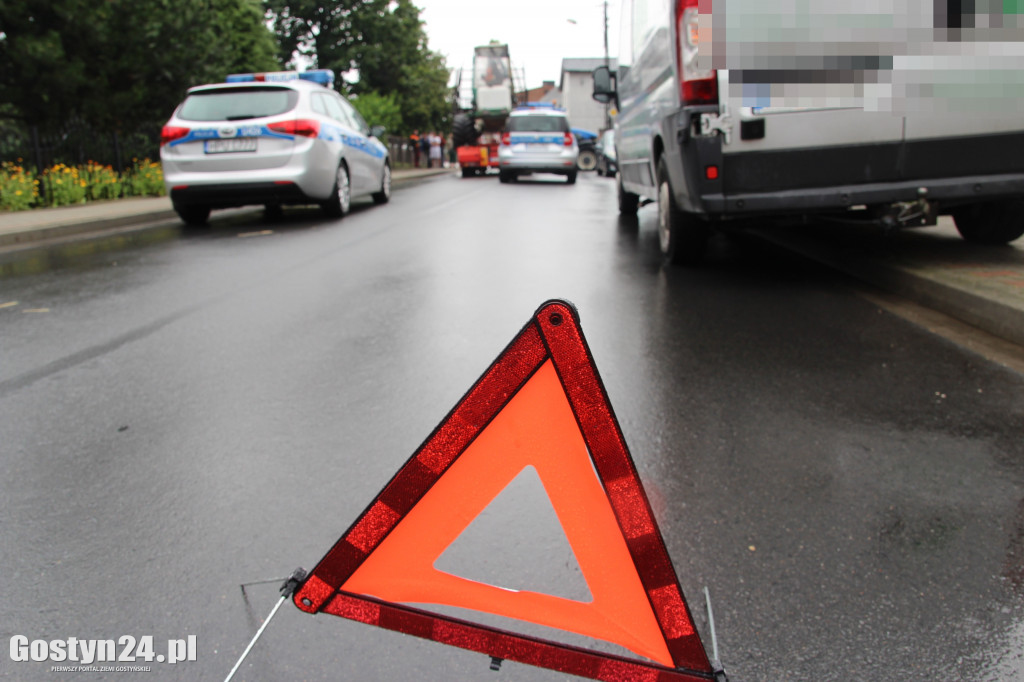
233	144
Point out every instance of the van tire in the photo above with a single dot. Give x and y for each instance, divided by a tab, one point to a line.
505	176
682	237
571	178
993	223
629	203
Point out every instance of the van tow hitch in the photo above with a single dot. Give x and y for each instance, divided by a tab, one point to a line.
917	213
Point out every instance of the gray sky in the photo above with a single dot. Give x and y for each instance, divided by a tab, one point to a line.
539	33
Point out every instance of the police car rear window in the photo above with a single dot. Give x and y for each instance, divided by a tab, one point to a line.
538	124
238	105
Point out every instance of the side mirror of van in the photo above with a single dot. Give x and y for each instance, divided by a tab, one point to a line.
604	89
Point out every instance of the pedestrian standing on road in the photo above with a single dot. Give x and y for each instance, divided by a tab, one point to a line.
425	148
435	150
414	140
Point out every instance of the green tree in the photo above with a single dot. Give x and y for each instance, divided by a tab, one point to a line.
379	110
245	42
373	46
122	63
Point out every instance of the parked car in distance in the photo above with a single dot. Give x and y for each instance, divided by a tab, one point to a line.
273	139
606	163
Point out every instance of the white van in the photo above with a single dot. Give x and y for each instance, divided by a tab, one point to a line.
708	154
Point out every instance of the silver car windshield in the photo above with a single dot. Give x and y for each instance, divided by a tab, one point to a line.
237	105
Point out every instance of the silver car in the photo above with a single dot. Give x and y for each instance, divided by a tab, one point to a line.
272	139
537	140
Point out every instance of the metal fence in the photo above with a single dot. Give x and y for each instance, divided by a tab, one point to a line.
76	143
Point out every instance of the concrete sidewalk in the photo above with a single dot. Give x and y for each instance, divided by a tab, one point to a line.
29	228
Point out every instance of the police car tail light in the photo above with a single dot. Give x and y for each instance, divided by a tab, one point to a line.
696	86
506	139
171	133
302	127
568	140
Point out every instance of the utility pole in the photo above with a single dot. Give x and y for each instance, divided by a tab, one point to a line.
606	33
607	65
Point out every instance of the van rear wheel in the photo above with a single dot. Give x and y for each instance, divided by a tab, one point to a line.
682	237
628	202
994	223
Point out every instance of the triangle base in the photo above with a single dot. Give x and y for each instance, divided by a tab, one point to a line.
502	644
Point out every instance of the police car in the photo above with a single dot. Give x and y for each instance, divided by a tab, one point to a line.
273	139
537	140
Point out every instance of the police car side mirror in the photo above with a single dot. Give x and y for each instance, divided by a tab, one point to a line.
377	131
604	89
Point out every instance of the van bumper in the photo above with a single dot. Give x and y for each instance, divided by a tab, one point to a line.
949	192
949	171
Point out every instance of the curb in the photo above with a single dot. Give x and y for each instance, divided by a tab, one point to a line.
984	312
35	236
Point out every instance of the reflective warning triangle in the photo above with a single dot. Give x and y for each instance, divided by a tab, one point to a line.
541	404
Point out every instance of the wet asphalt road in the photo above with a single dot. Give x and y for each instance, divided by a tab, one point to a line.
208	409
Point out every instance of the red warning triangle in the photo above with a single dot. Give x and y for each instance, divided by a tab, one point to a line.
541	405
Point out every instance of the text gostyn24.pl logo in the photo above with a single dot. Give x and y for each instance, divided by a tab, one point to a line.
125	649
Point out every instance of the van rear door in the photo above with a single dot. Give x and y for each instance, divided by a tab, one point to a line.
780	148
974	125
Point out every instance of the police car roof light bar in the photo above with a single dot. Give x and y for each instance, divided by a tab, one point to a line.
324	77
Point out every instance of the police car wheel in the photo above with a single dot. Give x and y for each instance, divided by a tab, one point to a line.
384	195
341	194
571	178
505	176
682	237
993	223
193	215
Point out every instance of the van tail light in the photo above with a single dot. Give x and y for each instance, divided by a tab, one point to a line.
568	140
506	139
303	127
696	86
169	134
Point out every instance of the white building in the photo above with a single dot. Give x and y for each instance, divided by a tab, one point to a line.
577	88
